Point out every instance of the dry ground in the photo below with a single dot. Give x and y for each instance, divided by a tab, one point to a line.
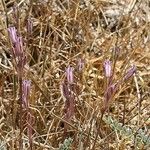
63	33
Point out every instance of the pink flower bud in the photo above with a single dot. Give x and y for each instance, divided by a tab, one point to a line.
107	68
109	93
111	90
12	34
17	50
18	47
69	74
25	90
65	90
130	73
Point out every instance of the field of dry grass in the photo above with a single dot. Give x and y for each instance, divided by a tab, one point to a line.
74	74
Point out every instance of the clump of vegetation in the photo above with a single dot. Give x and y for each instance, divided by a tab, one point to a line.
74	74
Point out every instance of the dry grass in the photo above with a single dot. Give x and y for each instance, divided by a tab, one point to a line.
65	31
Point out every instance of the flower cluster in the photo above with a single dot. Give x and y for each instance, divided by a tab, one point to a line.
68	92
17	49
25	102
112	88
108	68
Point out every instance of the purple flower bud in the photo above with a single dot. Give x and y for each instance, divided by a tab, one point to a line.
109	93
20	64
69	74
12	34
17	50
107	68
80	64
130	73
25	90
65	90
111	90
18	47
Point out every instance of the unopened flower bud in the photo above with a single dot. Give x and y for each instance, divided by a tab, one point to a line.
19	47
107	68
25	90
12	34
130	73
69	74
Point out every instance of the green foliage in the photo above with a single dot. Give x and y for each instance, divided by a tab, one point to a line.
139	137
66	144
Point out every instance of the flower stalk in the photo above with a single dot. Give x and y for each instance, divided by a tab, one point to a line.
20	61
68	90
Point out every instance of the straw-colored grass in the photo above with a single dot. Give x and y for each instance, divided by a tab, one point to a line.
65	31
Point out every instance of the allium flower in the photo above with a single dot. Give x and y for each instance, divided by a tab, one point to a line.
69	100
65	90
17	49
107	68
69	74
130	73
19	55
109	93
25	90
68	92
111	90
12	34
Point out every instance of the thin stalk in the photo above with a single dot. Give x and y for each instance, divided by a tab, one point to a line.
21	123
98	129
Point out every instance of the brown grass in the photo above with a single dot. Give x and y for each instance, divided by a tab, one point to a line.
63	32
